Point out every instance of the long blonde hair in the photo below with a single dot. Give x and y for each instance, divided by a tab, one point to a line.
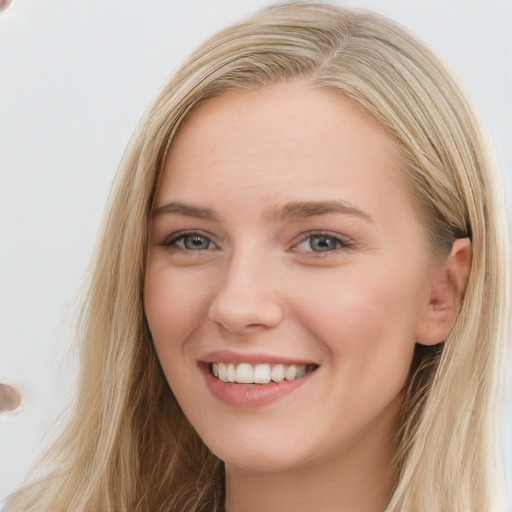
127	445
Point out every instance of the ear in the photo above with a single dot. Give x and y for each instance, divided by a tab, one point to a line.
446	290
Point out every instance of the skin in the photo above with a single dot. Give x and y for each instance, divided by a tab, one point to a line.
259	285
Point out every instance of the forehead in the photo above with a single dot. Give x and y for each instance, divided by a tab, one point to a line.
289	138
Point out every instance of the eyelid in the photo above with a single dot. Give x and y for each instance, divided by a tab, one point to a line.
343	241
172	239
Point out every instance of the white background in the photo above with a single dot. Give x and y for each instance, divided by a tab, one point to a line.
75	76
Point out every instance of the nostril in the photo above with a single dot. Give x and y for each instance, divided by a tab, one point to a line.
249	313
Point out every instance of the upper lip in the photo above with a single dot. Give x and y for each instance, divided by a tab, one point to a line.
230	356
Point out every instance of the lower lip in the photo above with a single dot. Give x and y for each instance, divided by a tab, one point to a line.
251	395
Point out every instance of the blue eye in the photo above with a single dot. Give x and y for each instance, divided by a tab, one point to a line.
190	242
321	243
196	243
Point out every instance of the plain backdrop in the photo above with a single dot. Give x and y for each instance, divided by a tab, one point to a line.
75	76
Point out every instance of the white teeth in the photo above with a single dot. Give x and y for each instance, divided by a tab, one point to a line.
290	372
222	369
262	374
277	373
231	373
301	371
246	373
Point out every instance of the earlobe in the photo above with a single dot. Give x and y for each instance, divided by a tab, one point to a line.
446	290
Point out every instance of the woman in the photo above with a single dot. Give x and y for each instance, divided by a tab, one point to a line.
299	296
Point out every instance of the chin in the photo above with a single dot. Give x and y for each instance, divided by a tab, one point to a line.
260	463
259	458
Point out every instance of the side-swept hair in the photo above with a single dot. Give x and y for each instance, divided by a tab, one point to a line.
127	445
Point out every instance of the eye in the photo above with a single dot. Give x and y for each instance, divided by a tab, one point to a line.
321	243
190	242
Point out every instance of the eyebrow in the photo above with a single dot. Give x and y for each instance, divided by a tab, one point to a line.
297	210
178	208
294	210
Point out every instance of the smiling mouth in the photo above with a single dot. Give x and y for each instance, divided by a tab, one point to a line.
245	373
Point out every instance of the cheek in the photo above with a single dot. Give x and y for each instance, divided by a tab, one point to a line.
366	319
364	300
174	305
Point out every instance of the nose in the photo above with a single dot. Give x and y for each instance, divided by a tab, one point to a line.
247	297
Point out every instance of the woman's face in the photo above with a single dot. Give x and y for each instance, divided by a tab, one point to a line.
283	241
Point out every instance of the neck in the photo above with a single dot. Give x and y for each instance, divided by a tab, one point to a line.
357	477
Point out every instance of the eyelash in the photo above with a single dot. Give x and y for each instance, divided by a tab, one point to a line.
340	243
173	240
